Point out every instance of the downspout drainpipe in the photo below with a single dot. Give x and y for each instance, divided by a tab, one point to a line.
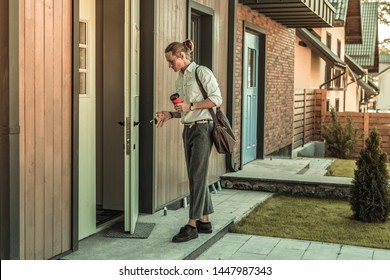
334	78
231	165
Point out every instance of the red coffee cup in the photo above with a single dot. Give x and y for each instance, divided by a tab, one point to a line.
175	98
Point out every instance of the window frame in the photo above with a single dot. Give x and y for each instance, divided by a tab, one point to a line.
204	43
328	68
338	72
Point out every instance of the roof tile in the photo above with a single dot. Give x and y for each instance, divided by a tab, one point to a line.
364	54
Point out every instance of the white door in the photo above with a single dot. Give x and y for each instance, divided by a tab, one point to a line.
115	184
131	113
87	121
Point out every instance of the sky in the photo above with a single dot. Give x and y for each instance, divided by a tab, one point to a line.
384	30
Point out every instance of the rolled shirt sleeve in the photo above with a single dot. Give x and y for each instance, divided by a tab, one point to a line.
210	84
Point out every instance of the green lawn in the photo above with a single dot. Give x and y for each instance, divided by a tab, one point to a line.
323	220
344	168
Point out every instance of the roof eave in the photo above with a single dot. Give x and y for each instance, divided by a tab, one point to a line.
295	13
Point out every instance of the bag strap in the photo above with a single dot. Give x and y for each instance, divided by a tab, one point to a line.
211	110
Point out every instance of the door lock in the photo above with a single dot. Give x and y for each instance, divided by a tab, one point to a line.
128	135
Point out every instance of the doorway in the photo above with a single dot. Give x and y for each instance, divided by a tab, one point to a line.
107	184
109	109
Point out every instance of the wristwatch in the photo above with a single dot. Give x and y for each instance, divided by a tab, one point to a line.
192	107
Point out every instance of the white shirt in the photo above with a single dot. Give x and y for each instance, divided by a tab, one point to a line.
190	92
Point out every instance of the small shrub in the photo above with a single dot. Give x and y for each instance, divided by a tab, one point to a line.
370	201
340	141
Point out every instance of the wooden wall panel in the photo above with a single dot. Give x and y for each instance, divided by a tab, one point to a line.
49	126
171	25
57	129
45	119
4	132
39	121
66	124
220	55
22	150
171	175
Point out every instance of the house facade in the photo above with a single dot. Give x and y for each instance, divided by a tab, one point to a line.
363	54
383	100
83	79
340	60
272	26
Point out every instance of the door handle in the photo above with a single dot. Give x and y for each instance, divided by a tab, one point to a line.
136	123
121	123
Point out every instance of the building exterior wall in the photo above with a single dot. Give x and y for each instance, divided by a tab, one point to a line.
352	96
307	71
310	68
45	106
384	88
279	95
4	133
338	33
171	181
334	95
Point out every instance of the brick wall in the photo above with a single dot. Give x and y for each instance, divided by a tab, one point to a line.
279	97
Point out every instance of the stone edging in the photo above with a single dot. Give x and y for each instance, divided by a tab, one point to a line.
312	189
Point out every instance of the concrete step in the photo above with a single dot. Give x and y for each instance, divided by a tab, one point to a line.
217	234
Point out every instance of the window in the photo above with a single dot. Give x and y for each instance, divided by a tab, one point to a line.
200	30
333	77
337	105
83	52
195	26
328	69
338	72
251	68
327	105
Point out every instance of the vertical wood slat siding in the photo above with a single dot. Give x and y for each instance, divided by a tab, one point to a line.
22	139
57	118
45	119
171	25
39	91
66	125
49	126
5	247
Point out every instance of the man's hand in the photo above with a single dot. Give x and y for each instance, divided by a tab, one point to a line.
182	107
162	117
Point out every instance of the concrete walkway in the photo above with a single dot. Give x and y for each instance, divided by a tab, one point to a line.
230	206
250	247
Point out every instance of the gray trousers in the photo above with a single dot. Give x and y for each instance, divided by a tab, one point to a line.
197	147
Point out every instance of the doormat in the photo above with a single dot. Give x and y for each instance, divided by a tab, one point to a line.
142	231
